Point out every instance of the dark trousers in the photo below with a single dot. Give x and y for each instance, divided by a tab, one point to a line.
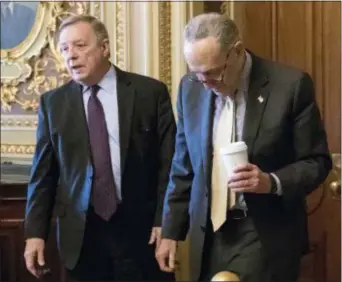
111	252
236	247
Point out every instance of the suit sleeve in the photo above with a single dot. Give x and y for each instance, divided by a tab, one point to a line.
166	136
176	206
312	159
43	181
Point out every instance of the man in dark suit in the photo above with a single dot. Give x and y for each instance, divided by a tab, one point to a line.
258	228
105	141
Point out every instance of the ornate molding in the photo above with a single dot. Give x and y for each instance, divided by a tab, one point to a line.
17	149
236	11
165	73
121	34
227	7
180	13
95	9
25	121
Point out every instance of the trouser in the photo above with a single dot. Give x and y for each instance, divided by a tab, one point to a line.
111	253
236	247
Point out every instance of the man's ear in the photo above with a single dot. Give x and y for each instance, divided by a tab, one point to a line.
105	46
239	47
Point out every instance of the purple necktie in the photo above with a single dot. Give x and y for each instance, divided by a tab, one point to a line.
104	198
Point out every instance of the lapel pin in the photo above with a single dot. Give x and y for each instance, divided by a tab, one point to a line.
261	99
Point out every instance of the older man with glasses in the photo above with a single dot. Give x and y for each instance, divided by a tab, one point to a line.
258	229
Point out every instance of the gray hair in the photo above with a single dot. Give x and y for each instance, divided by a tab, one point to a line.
211	24
98	26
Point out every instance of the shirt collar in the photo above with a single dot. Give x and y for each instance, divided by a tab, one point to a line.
106	82
244	78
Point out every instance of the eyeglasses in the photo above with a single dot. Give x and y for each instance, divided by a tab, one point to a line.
193	76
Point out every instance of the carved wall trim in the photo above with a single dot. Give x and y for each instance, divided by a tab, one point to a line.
227	8
165	43
236	12
121	44
179	18
150	40
10	149
8	122
96	9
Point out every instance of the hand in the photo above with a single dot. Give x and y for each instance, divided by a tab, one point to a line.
166	255
250	179
155	237
34	256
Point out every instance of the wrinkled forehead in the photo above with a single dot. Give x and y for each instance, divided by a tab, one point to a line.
203	54
80	31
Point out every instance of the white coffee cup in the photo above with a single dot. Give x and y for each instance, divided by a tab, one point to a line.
234	154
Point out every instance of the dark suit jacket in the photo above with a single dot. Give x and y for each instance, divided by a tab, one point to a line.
147	130
284	135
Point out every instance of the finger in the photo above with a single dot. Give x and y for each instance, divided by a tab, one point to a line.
30	263
152	237
244	190
158	241
172	259
41	260
244	167
244	183
241	176
162	262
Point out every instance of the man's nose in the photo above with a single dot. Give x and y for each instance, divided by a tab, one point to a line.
71	55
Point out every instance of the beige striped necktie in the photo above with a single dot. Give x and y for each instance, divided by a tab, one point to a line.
222	197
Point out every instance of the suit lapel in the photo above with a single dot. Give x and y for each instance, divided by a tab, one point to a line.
207	112
126	95
256	101
77	110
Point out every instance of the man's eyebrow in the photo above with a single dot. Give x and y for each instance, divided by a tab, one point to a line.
209	70
74	41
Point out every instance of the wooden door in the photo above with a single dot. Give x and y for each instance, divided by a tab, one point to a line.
306	35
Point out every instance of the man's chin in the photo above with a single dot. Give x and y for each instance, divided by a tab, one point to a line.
81	78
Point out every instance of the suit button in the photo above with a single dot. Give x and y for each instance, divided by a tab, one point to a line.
202	228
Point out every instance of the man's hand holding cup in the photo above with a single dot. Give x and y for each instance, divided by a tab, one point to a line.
242	175
249	178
